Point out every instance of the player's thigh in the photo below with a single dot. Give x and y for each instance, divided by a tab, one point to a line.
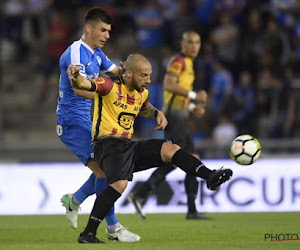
147	154
92	164
78	139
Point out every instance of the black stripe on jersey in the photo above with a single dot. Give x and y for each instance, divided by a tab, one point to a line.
99	117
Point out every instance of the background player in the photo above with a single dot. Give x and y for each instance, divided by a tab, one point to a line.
73	114
178	91
117	104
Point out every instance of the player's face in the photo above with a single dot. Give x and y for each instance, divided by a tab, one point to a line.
191	45
141	77
99	34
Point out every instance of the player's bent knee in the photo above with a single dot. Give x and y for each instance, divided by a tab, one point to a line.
120	186
167	151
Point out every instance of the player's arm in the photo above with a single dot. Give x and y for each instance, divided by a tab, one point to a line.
171	84
78	81
151	112
79	92
85	94
117	71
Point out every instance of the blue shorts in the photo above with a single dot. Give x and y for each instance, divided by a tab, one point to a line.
78	138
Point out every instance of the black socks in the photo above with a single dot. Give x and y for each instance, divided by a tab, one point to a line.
102	205
190	164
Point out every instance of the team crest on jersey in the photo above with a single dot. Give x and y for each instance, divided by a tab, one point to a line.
176	66
99	60
82	68
100	80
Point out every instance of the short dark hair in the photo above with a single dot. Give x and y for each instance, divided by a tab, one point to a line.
97	14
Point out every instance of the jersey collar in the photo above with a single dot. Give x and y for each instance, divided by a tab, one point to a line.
87	46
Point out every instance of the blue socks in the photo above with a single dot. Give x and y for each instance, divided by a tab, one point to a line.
91	186
87	189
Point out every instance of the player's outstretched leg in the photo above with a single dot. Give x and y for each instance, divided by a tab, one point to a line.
193	166
218	177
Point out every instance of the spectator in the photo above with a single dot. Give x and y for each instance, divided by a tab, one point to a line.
225	38
205	66
38	16
57	39
204	12
220	89
251	42
184	21
149	22
277	106
223	134
13	29
244	98
234	7
276	42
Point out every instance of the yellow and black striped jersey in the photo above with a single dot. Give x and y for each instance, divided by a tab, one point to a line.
182	68
115	108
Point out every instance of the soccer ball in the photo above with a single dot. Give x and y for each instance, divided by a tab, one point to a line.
245	149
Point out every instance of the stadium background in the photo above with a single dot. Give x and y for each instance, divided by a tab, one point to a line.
255	42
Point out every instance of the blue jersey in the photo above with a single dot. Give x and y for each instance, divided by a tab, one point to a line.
71	107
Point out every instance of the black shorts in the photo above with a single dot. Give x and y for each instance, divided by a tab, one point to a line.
120	158
177	130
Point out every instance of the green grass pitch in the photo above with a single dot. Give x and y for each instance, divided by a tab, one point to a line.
158	231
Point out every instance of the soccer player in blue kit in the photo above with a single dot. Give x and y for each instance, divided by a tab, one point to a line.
73	115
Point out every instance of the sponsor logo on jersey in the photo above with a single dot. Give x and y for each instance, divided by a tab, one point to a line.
119	104
99	60
126	120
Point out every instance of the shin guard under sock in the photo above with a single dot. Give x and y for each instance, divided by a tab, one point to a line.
100	185
102	205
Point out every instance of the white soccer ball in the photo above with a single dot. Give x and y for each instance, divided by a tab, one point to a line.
245	149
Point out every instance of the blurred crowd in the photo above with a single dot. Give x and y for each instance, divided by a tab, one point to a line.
249	61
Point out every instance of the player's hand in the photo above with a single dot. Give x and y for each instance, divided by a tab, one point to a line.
161	120
199	110
73	72
123	66
201	97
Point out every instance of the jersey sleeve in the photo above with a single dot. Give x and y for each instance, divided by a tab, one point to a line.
78	58
176	66
104	85
106	64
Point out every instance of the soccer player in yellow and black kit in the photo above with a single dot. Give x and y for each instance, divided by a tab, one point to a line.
117	104
178	91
